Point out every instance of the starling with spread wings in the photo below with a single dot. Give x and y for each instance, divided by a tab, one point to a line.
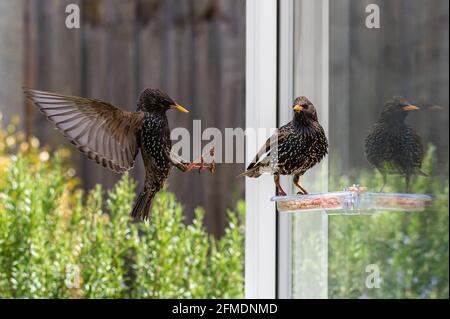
113	137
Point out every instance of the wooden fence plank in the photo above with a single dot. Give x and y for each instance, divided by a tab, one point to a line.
11	56
108	65
194	50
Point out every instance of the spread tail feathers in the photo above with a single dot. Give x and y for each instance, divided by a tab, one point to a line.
141	209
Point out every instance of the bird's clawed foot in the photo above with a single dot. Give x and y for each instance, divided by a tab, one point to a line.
301	191
281	192
384	183
201	166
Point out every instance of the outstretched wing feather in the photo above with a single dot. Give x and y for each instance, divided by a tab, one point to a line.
105	133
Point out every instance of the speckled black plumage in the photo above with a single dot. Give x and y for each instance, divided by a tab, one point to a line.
155	147
294	149
112	137
392	146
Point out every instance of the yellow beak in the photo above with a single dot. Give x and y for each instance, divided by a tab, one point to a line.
179	108
298	108
410	107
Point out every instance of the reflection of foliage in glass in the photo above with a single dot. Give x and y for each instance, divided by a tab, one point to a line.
48	224
309	255
411	249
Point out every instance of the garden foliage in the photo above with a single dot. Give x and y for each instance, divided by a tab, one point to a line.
410	249
58	242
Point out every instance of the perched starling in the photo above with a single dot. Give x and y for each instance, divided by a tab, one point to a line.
295	148
392	146
112	137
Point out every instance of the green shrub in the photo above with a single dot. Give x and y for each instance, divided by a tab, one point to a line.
50	230
410	248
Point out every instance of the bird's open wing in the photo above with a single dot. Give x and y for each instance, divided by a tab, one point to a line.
265	150
98	129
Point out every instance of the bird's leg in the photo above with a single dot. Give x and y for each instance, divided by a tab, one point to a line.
296	183
408	183
187	167
277	184
384	181
202	166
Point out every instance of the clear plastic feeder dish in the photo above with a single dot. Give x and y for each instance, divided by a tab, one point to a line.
330	202
393	202
354	200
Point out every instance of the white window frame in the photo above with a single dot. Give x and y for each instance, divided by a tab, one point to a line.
269	83
261	100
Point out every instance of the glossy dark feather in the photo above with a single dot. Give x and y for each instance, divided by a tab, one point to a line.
294	149
392	146
105	133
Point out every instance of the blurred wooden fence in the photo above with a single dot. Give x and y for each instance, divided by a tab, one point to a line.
192	49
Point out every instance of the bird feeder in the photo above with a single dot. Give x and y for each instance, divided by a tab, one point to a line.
353	200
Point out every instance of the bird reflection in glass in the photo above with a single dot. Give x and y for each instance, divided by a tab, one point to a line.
392	146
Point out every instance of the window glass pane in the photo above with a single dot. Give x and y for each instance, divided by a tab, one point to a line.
391	248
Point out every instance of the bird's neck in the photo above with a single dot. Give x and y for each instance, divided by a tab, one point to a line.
393	118
302	122
157	113
393	122
157	118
